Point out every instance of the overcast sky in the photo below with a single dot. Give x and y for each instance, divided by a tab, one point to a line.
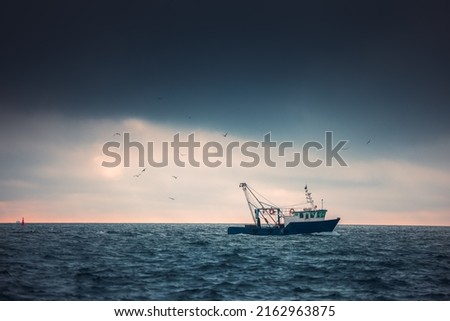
73	73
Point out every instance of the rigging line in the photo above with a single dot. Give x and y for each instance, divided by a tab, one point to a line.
271	216
252	204
293	205
262	213
256	198
269	202
267	222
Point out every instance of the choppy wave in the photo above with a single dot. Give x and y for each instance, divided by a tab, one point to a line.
202	262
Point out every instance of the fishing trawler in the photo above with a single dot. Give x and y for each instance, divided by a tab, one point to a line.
270	219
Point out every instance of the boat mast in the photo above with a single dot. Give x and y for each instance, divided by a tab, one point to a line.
247	196
309	198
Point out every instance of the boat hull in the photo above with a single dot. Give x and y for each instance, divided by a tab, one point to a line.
291	228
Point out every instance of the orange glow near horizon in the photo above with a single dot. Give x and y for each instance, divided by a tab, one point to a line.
188	218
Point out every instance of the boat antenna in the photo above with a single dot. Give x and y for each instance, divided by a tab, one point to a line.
308	196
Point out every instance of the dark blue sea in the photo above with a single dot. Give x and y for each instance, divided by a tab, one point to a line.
202	262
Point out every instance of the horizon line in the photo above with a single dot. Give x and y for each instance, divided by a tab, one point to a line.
218	223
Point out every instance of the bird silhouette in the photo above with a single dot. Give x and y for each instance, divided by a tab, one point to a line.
172	198
137	175
176	177
143	170
116	134
225	135
368	142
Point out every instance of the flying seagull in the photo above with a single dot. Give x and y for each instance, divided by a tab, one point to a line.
176	177
368	142
137	175
225	135
116	134
172	198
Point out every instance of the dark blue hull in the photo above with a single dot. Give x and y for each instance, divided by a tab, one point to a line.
292	228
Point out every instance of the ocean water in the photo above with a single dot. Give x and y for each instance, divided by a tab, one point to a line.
202	262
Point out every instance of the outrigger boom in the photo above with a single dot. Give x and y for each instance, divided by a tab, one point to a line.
270	219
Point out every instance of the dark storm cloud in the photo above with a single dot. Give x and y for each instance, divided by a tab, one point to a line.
380	65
